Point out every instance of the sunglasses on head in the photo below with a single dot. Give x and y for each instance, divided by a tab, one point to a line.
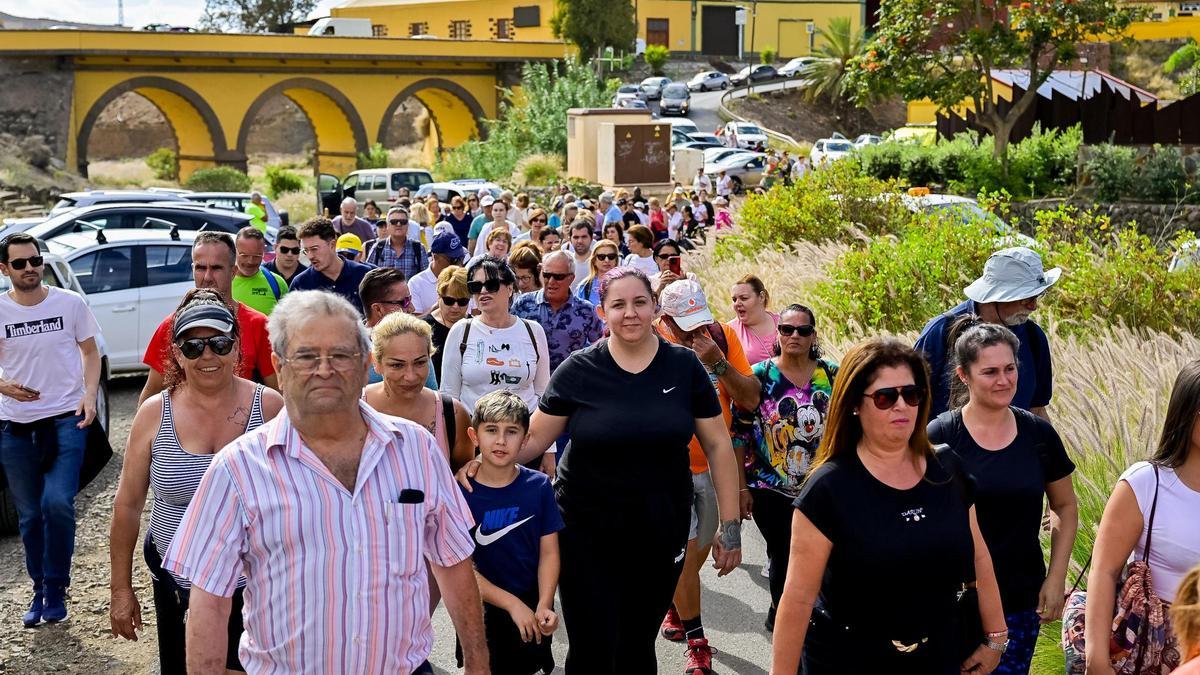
477	287
289	250
803	331
553	276
192	349
461	302
19	263
606	256
885	398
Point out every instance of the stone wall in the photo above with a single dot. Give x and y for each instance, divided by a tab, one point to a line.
1156	220
37	100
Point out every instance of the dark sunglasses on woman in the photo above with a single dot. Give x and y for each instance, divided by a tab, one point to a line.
192	349
477	287
885	398
803	331
461	302
606	256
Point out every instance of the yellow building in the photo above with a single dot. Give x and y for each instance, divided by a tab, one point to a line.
708	27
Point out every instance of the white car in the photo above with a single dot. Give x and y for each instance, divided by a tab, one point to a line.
708	80
744	135
132	279
864	140
792	68
719	154
625	93
965	210
651	88
829	150
684	125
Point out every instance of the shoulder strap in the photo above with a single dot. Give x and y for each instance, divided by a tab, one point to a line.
537	356
271	282
1153	508
417	249
718	336
828	372
462	346
448	419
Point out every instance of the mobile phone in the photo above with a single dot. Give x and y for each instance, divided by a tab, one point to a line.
674	265
31	390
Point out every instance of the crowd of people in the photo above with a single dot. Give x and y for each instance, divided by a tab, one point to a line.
444	407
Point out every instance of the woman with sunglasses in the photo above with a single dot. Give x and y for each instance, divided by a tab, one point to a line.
495	350
461	215
668	256
777	441
451	307
174	436
526	261
754	323
887	558
604	257
1018	462
538	221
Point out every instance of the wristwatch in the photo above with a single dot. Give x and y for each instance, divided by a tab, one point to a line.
998	646
720	367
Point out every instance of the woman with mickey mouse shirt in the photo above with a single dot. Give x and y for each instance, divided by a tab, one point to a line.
778	439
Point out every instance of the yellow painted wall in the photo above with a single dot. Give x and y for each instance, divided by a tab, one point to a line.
779	24
1179	27
438	16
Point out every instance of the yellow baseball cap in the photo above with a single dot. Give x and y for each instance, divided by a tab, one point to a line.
349	242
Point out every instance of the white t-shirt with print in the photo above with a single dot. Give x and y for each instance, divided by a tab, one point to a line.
495	358
1175	546
39	348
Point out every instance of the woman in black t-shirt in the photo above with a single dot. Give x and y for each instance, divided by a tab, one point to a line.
631	403
1017	461
884	539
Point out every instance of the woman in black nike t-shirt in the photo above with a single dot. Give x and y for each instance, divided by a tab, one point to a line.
631	403
1017	461
884	538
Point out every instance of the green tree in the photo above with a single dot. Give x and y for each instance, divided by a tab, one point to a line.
254	16
593	25
948	50
656	57
839	46
1187	60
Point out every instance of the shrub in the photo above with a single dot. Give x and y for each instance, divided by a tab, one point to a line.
1112	171
164	163
1162	176
918	167
656	57
768	54
1045	162
219	179
280	181
375	158
882	160
538	170
300	205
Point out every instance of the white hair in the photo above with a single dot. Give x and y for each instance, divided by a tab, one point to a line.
350	201
296	309
556	255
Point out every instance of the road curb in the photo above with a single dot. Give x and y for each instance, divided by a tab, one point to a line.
742	92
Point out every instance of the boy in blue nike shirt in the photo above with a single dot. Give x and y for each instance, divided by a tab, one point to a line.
516	540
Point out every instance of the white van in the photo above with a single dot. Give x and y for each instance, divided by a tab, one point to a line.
341	27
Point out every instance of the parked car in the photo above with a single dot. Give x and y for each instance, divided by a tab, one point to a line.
633	104
743	168
151	216
792	68
829	150
864	140
698	145
74	200
676	99
458	188
708	80
743	135
751	74
238	201
341	27
382	185
680	138
1188	256
626	92
720	153
965	209
683	125
652	87
132	279
705	138
57	273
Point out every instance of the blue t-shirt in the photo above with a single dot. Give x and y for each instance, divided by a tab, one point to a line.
345	286
511	522
1035	374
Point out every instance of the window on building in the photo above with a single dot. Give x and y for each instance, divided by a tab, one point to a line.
527	17
504	29
379	30
460	29
415	29
658	32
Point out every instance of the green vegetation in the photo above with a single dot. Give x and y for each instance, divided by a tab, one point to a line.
839	48
374	158
593	25
768	55
1115	172
254	16
1186	62
531	122
538	170
656	57
218	179
280	180
164	163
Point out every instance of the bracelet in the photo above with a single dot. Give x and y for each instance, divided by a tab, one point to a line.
744	490
997	634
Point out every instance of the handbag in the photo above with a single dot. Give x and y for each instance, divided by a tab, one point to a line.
1142	641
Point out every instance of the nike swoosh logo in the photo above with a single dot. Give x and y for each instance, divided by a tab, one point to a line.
485	539
667	391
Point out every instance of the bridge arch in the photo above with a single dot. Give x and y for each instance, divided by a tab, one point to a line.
197	130
335	122
457	116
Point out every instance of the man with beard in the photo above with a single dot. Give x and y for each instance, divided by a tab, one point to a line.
51	371
1007	294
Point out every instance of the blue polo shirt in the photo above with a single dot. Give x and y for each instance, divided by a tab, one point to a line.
346	284
1035	373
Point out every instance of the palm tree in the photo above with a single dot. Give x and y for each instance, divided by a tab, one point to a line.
827	75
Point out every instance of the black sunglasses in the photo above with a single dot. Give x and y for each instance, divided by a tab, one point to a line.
397	222
555	277
477	287
606	256
885	398
289	250
461	302
19	263
803	331
192	349
402	302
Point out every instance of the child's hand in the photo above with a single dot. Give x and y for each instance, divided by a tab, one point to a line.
526	622
547	621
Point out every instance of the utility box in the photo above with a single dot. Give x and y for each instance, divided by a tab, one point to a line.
613	146
687	162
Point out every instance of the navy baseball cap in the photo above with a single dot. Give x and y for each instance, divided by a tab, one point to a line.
449	245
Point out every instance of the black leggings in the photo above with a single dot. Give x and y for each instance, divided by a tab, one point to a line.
773	516
620	566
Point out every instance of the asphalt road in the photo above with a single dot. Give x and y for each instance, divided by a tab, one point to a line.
704	104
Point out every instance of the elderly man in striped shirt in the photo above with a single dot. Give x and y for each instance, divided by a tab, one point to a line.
330	510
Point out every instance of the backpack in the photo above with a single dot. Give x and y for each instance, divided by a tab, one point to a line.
448	419
462	346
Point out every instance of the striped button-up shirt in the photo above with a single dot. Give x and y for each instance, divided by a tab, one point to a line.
335	579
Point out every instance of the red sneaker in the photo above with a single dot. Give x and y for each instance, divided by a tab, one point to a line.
672	626
699	658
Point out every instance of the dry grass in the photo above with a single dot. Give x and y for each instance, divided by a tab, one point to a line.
124	173
300	206
407	155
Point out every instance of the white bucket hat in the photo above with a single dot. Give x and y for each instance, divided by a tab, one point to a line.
1012	274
